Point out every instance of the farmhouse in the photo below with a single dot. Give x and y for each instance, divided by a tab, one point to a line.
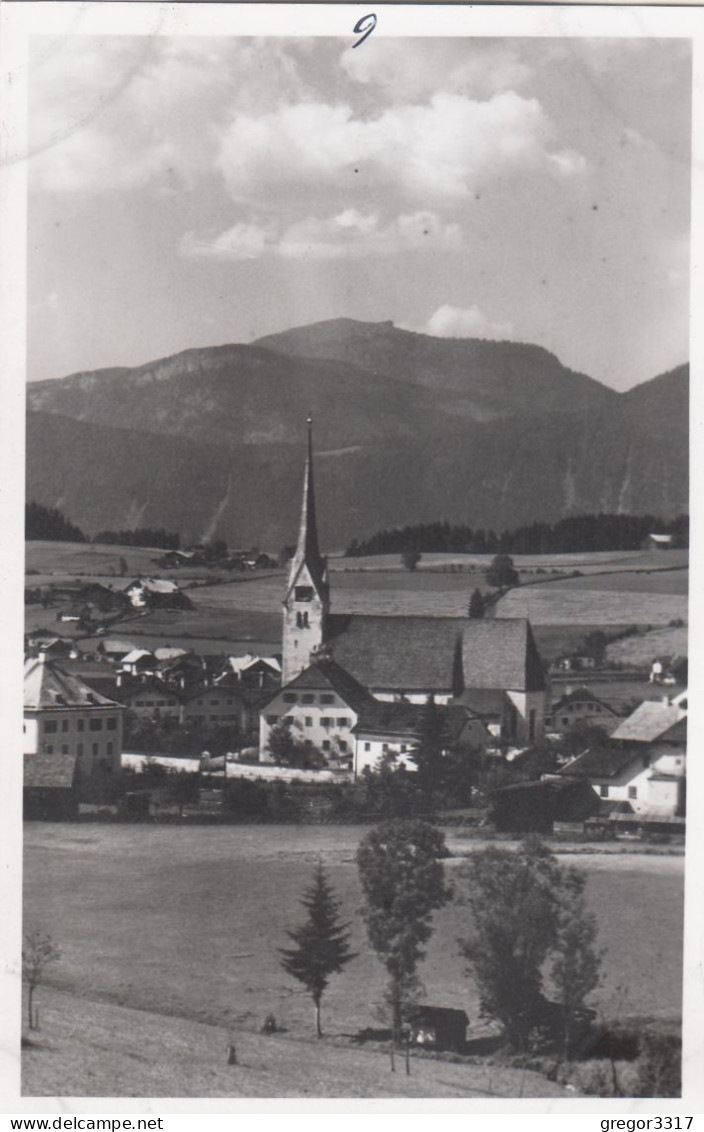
657	542
149	699
156	593
216	705
409	658
63	716
646	766
392	731
582	706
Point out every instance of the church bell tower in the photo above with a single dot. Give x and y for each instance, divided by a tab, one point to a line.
307	600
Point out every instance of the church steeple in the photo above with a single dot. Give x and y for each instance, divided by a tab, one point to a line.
307	595
308	549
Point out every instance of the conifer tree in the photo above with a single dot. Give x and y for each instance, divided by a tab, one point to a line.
321	942
476	606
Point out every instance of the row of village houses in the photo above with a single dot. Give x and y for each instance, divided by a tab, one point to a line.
70	724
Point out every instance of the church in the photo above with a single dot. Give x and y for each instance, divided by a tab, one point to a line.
350	662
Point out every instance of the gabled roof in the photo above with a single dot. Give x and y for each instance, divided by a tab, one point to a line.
436	653
135	655
153	585
167	652
46	685
327	675
243	663
406	719
650	721
580	696
129	688
191	693
55	771
598	762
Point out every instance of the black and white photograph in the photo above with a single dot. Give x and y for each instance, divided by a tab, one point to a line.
356	571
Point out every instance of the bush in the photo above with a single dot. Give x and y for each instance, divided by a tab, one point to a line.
659	1066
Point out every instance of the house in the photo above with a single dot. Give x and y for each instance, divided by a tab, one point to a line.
533	807
156	593
581	706
148	698
658	542
322	706
188	668
669	670
115	648
408	658
392	730
216	705
138	662
575	662
254	671
646	764
64	716
51	787
440	1027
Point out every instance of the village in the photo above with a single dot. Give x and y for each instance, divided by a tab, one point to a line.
535	745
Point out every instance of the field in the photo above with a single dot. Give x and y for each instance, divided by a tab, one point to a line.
186	923
242	614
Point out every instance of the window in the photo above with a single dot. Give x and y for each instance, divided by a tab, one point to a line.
290	698
309	721
79	749
64	725
327	698
385	748
272	719
64	748
604	791
367	746
112	722
565	721
49	749
95	724
303	593
632	791
49	726
326	744
308	698
80	724
288	719
343	721
302	620
214	703
342	745
404	748
109	748
325	721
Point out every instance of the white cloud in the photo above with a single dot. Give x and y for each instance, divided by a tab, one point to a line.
435	152
109	114
463	322
349	233
417	68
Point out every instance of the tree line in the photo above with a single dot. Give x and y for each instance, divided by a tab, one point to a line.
574	534
51	525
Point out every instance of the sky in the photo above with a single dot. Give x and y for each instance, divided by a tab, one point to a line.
188	192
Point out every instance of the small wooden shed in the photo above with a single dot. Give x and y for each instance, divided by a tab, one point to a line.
439	1027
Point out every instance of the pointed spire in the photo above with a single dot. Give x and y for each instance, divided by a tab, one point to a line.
308	548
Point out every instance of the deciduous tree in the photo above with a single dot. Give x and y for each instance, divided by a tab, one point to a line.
38	952
402	876
526	908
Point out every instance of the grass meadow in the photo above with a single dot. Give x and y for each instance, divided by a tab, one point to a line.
187	921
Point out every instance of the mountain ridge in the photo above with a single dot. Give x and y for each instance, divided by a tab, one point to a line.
213	438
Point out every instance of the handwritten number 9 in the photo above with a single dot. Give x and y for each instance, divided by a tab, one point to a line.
366	24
